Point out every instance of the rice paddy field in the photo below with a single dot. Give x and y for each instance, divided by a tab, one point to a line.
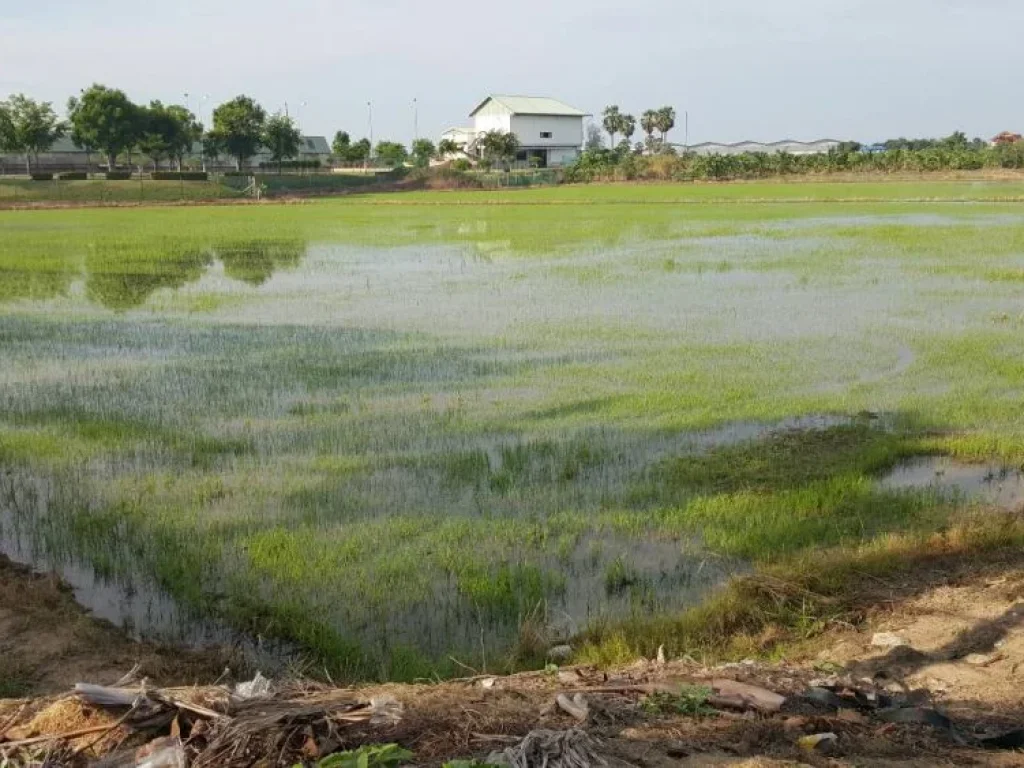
408	435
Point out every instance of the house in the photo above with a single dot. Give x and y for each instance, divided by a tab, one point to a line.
550	132
1006	137
65	156
789	146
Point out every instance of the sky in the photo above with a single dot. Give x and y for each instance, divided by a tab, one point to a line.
805	69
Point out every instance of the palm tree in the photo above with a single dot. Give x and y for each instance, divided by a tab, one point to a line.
666	121
649	122
627	126
612	121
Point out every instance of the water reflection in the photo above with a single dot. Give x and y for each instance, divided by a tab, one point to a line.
119	285
122	276
254	261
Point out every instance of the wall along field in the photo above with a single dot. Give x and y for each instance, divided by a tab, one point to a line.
394	431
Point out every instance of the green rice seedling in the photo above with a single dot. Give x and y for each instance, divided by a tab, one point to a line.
384	433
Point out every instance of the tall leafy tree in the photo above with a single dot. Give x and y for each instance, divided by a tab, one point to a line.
499	146
238	124
446	148
360	151
612	121
31	127
105	119
392	153
281	137
188	131
157	132
422	151
341	145
7	137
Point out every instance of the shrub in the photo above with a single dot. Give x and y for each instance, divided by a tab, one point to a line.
290	164
239	173
461	164
118	175
179	175
42	177
73	176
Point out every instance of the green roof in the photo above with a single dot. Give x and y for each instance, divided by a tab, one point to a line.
532	105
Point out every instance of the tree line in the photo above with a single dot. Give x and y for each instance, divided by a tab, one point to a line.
656	158
105	121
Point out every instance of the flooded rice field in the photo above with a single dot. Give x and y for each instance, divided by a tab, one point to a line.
393	436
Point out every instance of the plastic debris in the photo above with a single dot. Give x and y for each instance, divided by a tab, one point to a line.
819	742
161	753
577	706
257	688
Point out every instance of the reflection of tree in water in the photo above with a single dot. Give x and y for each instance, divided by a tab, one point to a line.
254	261
120	281
34	284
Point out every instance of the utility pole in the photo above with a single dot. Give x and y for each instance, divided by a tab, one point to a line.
369	115
415	119
686	131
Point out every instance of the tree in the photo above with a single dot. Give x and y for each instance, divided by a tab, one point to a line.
360	151
239	125
157	132
594	138
341	145
187	132
213	146
30	127
105	119
422	151
7	137
499	146
665	121
392	153
446	148
281	137
649	122
612	121
627	127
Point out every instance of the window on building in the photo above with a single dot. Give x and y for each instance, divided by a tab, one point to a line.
545	134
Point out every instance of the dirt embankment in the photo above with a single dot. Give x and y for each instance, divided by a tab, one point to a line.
952	650
48	642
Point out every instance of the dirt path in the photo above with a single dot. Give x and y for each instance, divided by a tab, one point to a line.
961	652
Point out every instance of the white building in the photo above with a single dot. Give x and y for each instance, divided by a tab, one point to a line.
550	133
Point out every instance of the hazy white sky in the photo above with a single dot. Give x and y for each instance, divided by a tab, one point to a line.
861	69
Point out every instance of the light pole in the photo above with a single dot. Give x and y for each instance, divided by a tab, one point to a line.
369	115
415	119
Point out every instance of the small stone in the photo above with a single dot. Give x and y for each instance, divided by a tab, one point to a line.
792	724
980	659
851	716
887	640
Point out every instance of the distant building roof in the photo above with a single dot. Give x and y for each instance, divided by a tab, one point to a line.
792	146
315	145
531	105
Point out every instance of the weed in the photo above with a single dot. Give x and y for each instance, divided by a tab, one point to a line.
690	701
